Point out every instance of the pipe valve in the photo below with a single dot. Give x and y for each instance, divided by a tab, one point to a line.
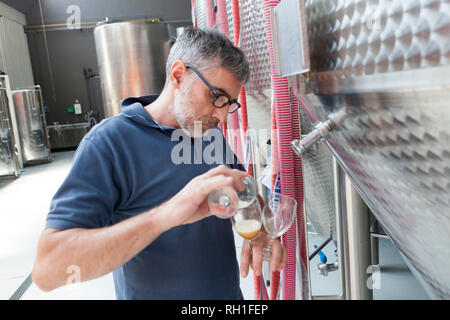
321	132
324	268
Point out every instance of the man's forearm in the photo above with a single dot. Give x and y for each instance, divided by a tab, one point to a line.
93	252
96	252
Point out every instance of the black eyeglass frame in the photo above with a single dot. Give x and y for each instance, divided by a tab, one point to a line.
217	95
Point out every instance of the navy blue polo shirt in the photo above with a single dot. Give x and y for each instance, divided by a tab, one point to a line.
128	164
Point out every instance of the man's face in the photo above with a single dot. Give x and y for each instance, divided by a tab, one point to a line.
193	101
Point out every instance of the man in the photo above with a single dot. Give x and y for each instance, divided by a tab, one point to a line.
127	207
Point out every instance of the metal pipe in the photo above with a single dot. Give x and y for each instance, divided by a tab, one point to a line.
320	132
324	268
303	268
382	236
352	233
315	252
374	246
338	176
89	23
356	234
93	24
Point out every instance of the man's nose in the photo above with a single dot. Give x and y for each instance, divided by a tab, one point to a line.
221	114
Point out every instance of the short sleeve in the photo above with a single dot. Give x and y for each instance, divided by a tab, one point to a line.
88	195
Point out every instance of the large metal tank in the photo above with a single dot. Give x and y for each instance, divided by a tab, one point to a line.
8	160
33	133
386	63
131	58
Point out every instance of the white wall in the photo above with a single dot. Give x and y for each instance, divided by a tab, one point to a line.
14	53
12	14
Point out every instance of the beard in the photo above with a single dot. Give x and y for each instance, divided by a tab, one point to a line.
186	118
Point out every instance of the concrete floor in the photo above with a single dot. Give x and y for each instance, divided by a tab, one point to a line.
24	205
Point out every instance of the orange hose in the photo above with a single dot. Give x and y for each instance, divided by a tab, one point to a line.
274	284
242	95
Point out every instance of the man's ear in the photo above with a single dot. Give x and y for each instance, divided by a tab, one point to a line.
177	73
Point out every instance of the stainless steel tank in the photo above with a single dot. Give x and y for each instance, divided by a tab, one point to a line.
131	58
33	133
63	136
8	160
386	63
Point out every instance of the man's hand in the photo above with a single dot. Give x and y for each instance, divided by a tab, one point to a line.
190	204
252	254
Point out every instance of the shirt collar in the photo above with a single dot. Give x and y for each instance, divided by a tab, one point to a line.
133	108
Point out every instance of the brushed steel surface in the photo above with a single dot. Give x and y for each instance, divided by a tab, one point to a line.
67	135
387	64
317	164
351	38
288	21
200	13
8	162
356	237
253	41
230	19
131	57
14	54
396	147
33	133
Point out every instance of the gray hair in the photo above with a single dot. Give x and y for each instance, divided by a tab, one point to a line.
207	48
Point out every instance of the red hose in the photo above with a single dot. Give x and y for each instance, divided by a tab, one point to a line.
222	17
256	287
210	22
284	124
210	15
275	168
296	134
274	284
236	21
243	110
236	139
244	131
242	95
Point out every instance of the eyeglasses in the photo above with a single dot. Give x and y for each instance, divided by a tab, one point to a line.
220	100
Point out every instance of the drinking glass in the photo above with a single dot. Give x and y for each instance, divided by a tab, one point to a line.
225	202
277	217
